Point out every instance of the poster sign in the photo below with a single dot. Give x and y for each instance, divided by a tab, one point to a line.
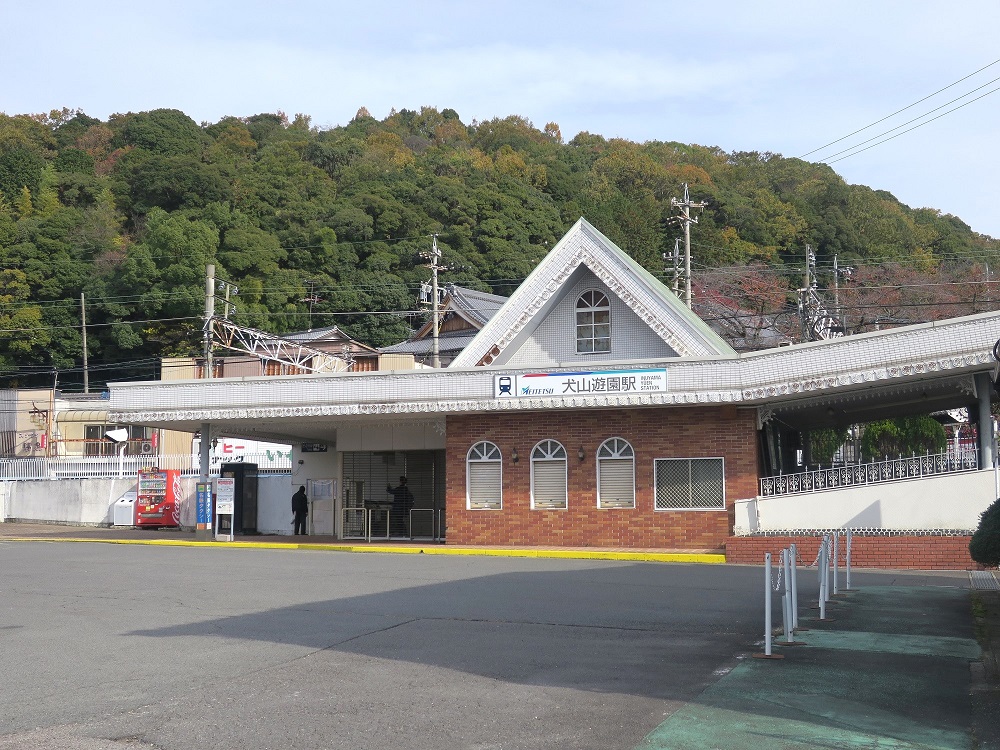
589	383
225	495
203	497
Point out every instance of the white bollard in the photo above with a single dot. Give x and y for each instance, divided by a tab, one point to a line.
785	617
836	557
786	599
847	560
793	553
827	545
819	561
822	581
767	603
768	593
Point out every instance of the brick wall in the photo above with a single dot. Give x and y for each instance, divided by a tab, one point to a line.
674	432
916	552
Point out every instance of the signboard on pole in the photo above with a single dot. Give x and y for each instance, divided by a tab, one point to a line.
225	495
203	496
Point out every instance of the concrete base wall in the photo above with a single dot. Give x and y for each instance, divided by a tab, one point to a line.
910	552
85	502
951	502
89	502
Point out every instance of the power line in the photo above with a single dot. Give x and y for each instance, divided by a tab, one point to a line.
898	111
971	101
903	125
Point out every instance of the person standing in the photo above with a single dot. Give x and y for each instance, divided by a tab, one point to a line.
300	511
402	503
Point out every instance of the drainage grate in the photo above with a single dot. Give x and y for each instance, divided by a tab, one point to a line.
983	580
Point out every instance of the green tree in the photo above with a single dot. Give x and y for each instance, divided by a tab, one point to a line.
21	329
20	168
824	442
169	132
902	436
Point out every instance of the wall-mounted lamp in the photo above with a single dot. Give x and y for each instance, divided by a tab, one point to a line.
580	454
513	456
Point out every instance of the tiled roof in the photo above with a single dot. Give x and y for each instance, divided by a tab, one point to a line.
450	341
315	334
481	306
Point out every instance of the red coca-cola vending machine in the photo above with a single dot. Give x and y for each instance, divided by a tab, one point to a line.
158	498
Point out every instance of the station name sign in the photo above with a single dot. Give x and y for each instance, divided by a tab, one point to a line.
556	384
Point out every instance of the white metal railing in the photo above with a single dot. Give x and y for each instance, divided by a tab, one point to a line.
83	467
378	522
888	470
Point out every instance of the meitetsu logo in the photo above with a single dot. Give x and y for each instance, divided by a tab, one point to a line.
527	391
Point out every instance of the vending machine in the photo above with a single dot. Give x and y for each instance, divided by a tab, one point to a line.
158	498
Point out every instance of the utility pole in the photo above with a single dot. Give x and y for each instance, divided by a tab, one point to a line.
805	293
311	299
817	323
687	220
229	306
846	272
434	258
836	292
83	332
209	316
677	270
204	531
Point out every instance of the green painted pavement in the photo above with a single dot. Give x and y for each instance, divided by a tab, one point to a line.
697	727
858	688
891	643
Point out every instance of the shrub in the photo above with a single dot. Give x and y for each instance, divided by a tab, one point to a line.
984	547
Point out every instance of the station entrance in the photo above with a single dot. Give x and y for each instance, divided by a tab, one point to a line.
378	504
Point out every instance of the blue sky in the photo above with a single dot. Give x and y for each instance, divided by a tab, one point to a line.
785	77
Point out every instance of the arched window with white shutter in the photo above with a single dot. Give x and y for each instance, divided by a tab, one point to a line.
615	474
548	476
484	477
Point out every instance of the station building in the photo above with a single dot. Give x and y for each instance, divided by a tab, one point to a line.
593	408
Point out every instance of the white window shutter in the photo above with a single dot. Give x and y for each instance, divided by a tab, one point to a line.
617	483
485	492
549	484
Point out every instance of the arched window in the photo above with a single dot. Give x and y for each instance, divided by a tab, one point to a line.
548	476
615	474
593	323
484	477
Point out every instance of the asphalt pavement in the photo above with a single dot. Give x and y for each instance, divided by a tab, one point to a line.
132	645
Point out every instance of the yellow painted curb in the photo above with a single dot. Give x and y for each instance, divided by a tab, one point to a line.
675	557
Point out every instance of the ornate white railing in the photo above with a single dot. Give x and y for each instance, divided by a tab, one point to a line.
889	470
83	467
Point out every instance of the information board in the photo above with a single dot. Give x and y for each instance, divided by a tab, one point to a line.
225	495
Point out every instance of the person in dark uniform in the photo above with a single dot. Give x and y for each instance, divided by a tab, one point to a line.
300	511
402	502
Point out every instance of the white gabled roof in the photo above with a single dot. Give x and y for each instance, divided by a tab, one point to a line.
646	296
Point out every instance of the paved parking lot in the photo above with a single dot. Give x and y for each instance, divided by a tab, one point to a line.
112	646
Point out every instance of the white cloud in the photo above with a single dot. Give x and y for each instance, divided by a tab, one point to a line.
767	76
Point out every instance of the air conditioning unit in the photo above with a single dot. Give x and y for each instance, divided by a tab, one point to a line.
146	448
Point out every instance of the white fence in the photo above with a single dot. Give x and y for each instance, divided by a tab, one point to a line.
96	467
889	470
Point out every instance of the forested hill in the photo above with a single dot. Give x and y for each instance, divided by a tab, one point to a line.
131	210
